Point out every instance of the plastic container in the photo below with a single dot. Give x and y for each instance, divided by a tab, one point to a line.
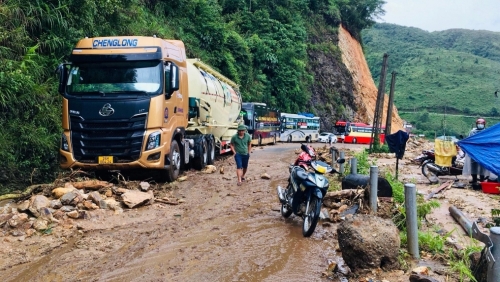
490	187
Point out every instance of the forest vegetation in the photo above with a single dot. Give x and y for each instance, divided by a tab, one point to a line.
268	47
445	79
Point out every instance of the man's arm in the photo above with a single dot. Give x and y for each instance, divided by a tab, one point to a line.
232	148
249	147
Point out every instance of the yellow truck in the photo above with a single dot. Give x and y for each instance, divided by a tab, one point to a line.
136	102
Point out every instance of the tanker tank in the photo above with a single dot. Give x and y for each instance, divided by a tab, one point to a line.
214	101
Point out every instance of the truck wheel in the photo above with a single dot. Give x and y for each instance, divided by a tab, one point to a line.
211	151
175	162
201	161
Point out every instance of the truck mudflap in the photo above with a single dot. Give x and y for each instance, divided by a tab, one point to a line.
225	147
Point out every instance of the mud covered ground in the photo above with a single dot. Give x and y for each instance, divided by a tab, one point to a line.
221	232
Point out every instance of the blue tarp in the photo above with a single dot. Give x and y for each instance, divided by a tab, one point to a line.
484	147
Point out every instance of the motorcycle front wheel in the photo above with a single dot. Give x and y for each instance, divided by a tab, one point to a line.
431	176
311	217
286	211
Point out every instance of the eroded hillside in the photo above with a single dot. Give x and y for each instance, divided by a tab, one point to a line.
364	89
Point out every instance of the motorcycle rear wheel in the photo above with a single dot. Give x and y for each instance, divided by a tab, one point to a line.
311	217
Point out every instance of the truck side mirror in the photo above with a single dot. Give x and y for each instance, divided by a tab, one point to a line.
171	78
62	74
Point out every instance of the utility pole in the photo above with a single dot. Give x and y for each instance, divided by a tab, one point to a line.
388	121
379	108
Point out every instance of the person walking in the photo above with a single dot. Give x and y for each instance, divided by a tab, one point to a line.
330	139
241	145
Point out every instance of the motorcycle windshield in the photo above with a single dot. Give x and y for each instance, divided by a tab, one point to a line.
484	147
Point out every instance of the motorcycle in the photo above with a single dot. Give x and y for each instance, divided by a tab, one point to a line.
430	168
306	188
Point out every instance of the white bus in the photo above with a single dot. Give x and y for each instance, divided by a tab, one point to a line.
298	127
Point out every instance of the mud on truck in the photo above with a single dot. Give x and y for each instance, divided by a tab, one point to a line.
137	102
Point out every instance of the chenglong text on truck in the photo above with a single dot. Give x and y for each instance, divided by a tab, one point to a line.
136	102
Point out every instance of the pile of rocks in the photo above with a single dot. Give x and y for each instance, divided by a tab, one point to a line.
72	201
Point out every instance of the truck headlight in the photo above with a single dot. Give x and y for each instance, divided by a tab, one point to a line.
153	140
64	143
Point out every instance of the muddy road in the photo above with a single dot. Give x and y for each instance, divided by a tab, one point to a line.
219	232
222	232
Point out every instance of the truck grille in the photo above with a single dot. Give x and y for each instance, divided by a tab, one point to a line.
121	139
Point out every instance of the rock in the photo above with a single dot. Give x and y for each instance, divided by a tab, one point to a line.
55	204
30	232
265	176
89	205
71	198
40	224
46	213
108	193
226	178
144	186
210	169
36	203
221	170
119	191
421	278
18	219
67	208
23	206
112	204
361	250
422	270
95	197
60	191
182	178
343	208
17	233
134	198
103	205
73	214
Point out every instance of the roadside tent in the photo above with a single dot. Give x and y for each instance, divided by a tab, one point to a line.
484	147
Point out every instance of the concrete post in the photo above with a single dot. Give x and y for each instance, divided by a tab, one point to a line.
354	166
411	219
373	188
341	168
494	268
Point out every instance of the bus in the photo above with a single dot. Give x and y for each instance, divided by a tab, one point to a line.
263	123
299	127
356	132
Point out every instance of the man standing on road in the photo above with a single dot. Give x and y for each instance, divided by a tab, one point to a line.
241	145
330	139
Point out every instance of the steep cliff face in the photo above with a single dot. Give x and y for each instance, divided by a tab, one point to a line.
364	89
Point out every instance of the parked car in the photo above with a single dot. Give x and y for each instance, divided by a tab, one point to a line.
323	137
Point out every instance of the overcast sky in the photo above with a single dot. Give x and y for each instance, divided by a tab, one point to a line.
432	15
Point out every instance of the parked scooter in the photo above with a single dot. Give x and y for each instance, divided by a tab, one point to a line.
306	188
431	170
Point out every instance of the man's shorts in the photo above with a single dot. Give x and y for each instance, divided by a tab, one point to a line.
241	160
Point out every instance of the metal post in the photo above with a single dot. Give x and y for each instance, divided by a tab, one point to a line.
334	153
373	188
341	168
494	268
411	219
354	166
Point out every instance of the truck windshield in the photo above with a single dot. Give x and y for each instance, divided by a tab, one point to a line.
115	77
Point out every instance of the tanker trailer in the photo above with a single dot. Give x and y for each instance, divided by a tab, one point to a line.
214	111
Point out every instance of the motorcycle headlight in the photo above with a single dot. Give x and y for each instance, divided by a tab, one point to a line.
153	140
64	143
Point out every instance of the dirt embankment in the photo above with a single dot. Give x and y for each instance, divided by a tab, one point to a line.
365	90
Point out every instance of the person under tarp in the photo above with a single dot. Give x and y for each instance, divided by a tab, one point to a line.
444	151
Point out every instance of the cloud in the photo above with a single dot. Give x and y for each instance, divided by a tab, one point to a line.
432	15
